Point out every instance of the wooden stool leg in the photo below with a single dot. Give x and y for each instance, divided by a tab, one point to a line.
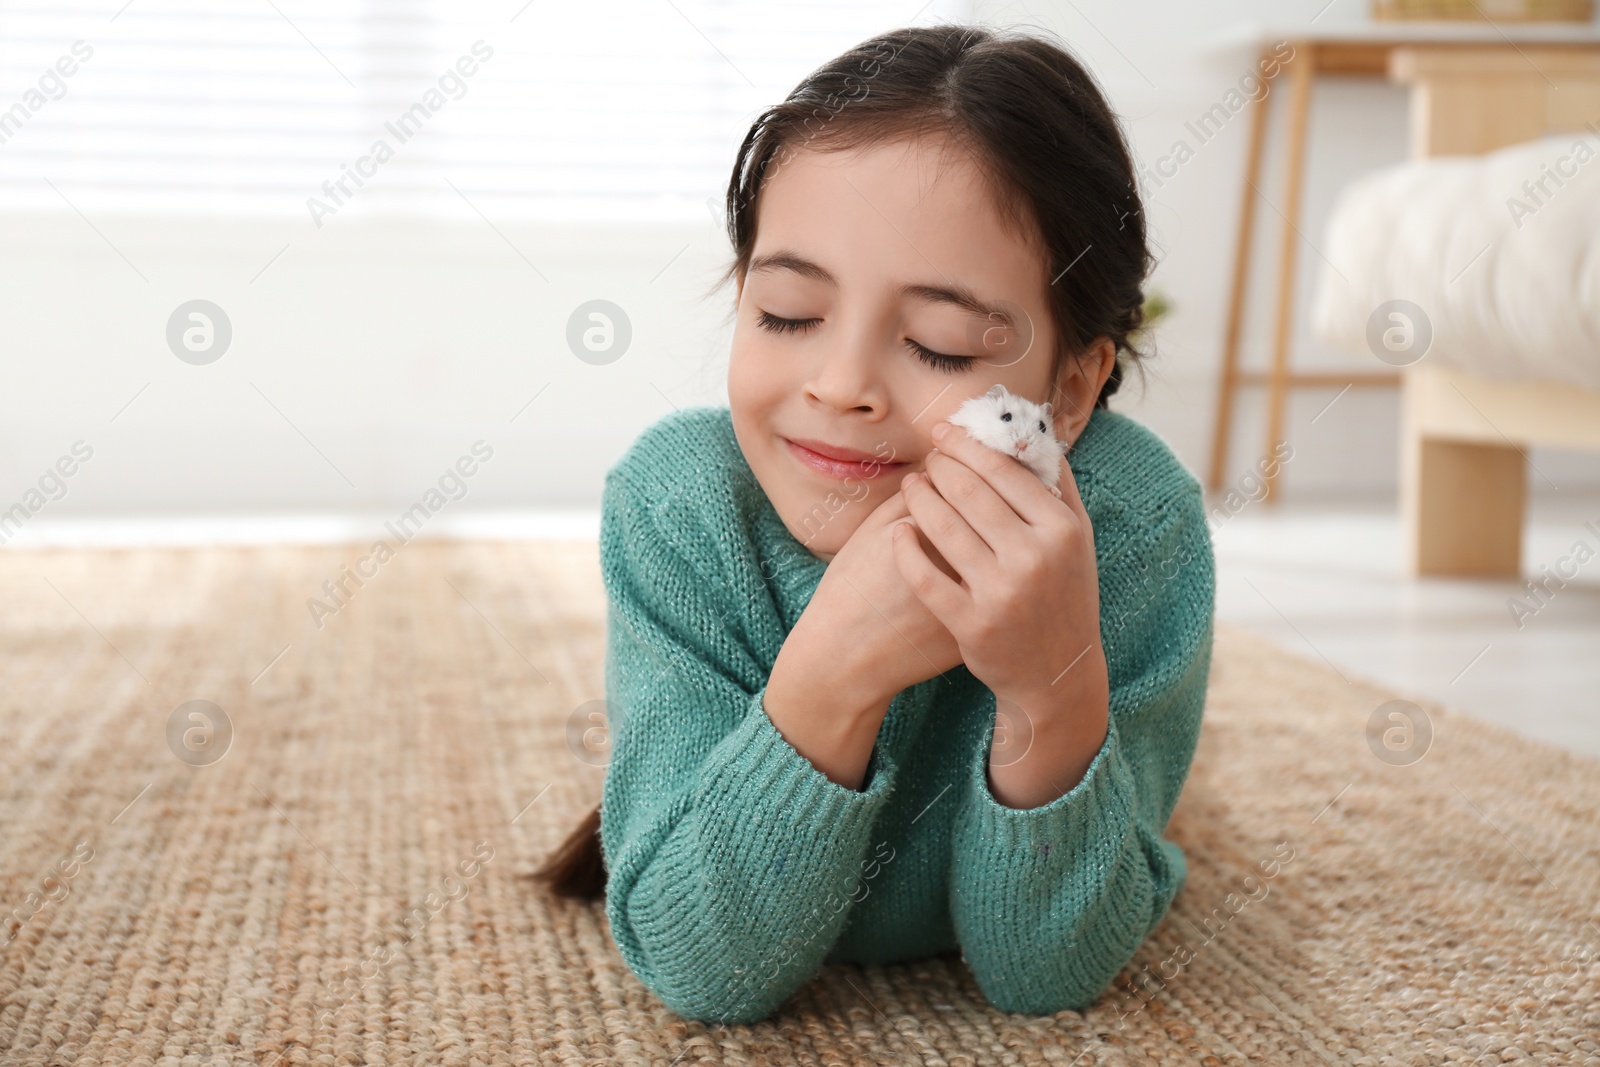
1461	506
1301	70
1223	431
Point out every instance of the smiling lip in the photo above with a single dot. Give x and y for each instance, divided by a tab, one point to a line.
840	463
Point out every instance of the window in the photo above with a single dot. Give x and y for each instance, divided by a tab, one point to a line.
621	111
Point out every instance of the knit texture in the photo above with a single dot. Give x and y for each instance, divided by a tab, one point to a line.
736	868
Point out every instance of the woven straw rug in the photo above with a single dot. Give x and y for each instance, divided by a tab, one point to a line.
347	884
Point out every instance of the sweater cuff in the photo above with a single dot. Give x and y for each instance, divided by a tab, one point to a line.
759	771
1072	820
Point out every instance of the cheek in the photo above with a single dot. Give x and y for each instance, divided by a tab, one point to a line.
1034	382
756	377
941	410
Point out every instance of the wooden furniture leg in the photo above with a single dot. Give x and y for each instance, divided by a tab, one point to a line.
1464	512
1301	71
1223	432
1461	500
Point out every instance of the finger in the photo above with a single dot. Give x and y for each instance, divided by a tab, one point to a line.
1011	481
1068	485
892	508
977	502
939	593
1070	497
944	526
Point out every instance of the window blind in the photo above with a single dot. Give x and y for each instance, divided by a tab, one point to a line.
624	111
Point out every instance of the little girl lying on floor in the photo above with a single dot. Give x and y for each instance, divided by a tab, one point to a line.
876	692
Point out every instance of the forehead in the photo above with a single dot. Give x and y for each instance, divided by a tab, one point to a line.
906	210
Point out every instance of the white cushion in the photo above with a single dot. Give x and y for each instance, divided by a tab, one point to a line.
1507	273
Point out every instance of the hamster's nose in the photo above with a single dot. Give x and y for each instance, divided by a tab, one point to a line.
1022	446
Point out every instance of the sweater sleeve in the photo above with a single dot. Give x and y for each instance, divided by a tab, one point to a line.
732	862
1050	903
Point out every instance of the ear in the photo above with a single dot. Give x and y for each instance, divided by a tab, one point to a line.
1083	375
1048	410
996	390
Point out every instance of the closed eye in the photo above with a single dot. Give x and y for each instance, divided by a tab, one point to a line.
940	360
772	322
775	324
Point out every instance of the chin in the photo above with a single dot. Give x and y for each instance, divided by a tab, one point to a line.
824	548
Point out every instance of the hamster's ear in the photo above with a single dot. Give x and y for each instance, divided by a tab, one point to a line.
1048	410
996	390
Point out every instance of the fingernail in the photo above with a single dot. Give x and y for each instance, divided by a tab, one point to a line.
940	430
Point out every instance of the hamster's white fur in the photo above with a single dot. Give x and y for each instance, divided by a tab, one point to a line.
1016	426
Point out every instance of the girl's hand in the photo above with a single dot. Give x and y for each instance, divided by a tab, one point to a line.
862	638
864	605
1024	608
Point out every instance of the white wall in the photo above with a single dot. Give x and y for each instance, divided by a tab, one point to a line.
390	348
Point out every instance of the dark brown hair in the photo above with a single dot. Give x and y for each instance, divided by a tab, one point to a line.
1052	152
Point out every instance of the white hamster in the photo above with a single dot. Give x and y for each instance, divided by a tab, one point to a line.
1017	426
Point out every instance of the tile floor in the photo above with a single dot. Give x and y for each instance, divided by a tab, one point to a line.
1328	579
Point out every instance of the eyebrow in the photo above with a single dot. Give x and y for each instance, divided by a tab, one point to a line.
951	293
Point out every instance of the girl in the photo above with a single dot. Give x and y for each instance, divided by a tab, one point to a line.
876	693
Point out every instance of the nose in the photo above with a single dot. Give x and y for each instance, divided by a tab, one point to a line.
1022	445
846	376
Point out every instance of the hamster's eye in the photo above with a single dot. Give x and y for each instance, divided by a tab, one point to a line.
1041	427
1005	416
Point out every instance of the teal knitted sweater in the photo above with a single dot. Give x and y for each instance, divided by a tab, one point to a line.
736	868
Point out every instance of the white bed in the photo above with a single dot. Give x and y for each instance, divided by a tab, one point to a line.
1498	255
1507	272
